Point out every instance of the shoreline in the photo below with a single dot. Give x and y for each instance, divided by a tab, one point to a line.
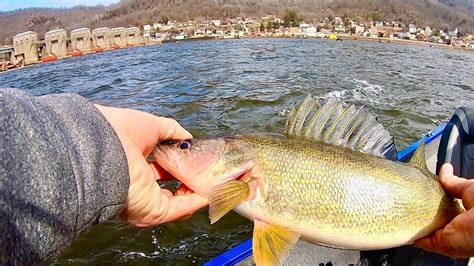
405	42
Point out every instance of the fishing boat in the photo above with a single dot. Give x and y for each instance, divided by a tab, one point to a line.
452	142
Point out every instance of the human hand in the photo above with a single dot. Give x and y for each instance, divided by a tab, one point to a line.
456	239
148	204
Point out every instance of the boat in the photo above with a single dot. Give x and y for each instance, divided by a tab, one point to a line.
452	142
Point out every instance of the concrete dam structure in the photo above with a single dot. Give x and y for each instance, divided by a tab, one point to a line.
81	41
133	36
25	47
119	37
28	49
55	42
101	39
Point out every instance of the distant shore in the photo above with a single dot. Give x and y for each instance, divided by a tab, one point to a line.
342	37
403	41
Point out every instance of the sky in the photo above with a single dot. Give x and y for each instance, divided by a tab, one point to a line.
9	5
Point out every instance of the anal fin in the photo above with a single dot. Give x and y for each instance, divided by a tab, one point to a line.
223	198
271	243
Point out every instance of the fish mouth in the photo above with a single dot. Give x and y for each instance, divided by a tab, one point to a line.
161	173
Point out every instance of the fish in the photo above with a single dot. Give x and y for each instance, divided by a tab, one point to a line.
326	179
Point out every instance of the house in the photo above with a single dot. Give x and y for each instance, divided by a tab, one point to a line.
216	22
199	32
373	32
359	29
411	29
338	21
453	34
219	32
428	31
304	26
340	28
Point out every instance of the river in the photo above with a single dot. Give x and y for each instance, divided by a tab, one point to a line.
243	86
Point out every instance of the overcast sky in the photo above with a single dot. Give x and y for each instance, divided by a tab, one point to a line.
8	5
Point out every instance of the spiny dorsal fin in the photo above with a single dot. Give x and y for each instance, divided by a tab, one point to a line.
418	158
223	198
330	122
271	243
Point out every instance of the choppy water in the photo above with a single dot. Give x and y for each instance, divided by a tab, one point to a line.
242	86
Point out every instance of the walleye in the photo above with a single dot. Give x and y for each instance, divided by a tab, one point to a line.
325	180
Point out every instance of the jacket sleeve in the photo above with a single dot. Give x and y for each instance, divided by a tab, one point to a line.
63	170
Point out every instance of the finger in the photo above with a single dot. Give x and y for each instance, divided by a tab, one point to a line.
449	241
183	190
161	128
182	206
455	186
167	193
170	129
434	243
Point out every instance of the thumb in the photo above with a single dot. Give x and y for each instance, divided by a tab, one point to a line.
438	242
180	206
453	240
167	128
454	186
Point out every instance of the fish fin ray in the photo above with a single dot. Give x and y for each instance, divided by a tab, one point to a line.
418	158
223	198
330	122
271	244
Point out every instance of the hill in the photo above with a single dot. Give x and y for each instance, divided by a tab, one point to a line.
443	14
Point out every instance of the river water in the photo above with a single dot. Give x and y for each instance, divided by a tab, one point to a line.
244	86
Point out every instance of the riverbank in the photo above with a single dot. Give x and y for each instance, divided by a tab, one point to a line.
402	41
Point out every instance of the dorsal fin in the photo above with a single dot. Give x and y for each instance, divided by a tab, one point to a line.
418	158
330	122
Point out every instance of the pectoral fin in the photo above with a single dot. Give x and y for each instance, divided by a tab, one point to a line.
223	198
271	243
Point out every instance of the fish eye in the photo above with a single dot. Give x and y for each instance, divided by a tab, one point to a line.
185	144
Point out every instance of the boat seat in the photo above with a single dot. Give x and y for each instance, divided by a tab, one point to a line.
457	143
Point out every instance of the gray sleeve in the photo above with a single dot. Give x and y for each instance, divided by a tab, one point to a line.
63	170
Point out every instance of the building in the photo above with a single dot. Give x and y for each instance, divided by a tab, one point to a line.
56	43
24	47
101	39
358	29
81	40
198	32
